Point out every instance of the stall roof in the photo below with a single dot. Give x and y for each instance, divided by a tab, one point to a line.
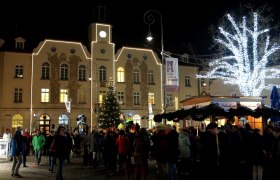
204	99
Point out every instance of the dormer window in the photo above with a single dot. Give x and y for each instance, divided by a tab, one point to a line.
19	43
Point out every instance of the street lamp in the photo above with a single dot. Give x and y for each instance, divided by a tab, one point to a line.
149	19
95	81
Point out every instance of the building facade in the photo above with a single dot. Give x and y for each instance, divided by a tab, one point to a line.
36	88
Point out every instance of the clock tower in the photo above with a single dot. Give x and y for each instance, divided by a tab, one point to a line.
102	58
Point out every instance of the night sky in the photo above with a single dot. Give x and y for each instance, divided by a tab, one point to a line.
185	23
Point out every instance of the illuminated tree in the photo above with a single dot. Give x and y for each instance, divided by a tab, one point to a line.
249	54
110	109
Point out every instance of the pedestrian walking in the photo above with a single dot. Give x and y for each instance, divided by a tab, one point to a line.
16	150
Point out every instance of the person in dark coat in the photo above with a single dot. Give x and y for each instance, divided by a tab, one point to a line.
25	147
172	138
51	155
16	151
258	154
209	152
141	154
61	143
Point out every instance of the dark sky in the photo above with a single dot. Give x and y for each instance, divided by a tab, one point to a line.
184	22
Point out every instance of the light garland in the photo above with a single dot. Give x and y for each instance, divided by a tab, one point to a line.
241	68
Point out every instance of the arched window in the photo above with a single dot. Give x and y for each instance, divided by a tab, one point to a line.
45	70
17	120
120	74
136	76
137	119
102	73
151	77
82	73
64	71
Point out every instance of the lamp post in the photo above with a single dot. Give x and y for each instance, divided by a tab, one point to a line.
95	81
149	19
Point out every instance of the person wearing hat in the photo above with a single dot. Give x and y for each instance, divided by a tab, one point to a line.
210	151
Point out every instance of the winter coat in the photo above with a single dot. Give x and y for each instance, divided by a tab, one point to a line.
38	142
184	145
16	144
123	144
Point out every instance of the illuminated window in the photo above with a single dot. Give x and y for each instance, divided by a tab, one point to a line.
101	96
45	95
187	81
19	71
202	82
136	98
63	95
17	120
121	97
18	95
151	77
102	73
136	76
45	70
120	75
64	71
82	73
82	96
151	98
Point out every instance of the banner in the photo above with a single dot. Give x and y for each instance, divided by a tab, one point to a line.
171	74
68	105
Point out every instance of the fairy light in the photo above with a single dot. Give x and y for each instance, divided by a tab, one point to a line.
246	66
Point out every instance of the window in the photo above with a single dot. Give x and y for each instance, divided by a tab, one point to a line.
202	82
45	95
187	81
101	96
102	73
17	120
82	96
82	73
151	98
121	97
169	99
120	75
18	95
136	76
64	71
19	71
45	70
151	77
136	98
63	95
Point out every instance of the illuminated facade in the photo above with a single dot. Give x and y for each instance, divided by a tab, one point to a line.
35	86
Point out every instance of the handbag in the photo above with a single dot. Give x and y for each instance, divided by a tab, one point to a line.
53	146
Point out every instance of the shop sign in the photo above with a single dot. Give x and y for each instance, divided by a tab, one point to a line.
251	105
226	105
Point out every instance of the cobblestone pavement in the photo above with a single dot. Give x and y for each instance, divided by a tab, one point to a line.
76	171
73	171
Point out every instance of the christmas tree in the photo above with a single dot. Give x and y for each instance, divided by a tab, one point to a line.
110	109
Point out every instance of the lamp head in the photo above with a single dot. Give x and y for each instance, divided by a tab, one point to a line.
149	37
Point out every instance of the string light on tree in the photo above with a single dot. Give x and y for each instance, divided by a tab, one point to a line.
246	66
110	109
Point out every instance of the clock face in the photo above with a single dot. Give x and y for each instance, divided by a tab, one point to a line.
102	34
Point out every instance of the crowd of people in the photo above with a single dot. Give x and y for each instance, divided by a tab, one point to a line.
219	152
